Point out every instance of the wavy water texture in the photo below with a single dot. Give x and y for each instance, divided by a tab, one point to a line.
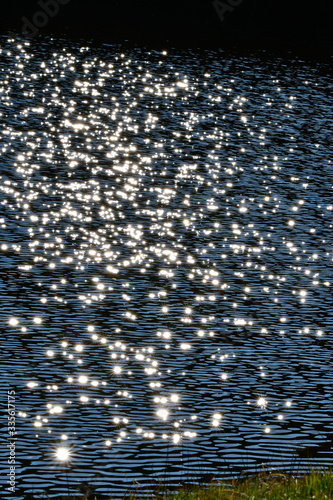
166	263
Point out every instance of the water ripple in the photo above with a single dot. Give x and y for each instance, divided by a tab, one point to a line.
166	263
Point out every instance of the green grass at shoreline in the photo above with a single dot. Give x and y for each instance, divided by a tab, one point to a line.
317	485
314	485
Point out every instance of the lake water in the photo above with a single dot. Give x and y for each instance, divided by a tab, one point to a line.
166	263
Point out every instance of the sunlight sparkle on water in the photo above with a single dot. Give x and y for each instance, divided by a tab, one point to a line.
62	454
13	321
262	402
158	222
162	413
176	438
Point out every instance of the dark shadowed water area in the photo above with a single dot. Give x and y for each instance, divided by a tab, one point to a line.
166	264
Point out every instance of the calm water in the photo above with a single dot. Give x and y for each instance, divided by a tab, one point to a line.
166	263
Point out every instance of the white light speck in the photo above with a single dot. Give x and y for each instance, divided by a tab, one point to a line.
62	454
162	413
176	438
262	402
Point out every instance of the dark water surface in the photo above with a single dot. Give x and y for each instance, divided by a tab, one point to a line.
166	263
